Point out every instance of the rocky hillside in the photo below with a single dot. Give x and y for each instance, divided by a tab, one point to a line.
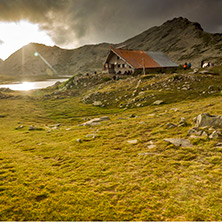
66	62
179	38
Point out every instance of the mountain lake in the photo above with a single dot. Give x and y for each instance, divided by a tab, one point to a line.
25	86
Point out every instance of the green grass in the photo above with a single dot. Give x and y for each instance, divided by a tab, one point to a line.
48	175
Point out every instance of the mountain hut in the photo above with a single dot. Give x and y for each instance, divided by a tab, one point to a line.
124	61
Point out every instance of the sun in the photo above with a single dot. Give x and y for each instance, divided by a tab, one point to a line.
14	35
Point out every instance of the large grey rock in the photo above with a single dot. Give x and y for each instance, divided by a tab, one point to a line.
179	142
208	120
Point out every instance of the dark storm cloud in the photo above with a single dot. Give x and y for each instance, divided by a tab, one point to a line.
86	21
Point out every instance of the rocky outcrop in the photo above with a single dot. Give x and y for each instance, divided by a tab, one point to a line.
208	120
179	142
207	126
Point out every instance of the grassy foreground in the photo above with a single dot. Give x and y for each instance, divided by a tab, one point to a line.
47	175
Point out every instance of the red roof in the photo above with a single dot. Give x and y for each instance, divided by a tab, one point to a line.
137	59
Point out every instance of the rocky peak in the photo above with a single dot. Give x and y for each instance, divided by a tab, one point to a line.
182	23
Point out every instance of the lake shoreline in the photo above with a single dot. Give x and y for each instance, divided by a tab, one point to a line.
33	85
19	79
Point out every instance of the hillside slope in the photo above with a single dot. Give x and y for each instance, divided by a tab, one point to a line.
179	38
55	165
24	62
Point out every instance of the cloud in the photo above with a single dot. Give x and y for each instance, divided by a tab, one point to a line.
1	42
77	22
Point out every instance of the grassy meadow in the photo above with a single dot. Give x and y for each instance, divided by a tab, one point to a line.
47	174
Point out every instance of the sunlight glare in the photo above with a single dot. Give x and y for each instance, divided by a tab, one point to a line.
15	35
25	86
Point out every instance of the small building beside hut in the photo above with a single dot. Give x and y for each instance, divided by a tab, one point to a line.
124	61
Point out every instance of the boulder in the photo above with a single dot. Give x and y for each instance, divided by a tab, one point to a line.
208	120
158	102
132	141
179	142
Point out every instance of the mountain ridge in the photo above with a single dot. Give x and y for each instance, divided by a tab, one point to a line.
179	38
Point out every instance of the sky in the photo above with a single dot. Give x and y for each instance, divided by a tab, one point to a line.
73	23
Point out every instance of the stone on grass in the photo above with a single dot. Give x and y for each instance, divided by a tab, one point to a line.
179	142
97	103
151	146
32	128
171	125
78	140
91	136
19	127
158	102
96	121
182	122
132	141
215	135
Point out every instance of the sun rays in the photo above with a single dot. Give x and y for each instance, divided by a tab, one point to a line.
14	35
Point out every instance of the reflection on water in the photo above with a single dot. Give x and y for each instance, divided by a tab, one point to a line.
25	86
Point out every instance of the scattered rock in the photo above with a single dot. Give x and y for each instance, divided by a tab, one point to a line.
104	118
219	145
174	109
195	71
79	141
19	127
32	128
97	103
132	116
96	121
93	136
171	125
182	122
132	141
145	154
179	142
215	135
208	120
151	146
158	102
